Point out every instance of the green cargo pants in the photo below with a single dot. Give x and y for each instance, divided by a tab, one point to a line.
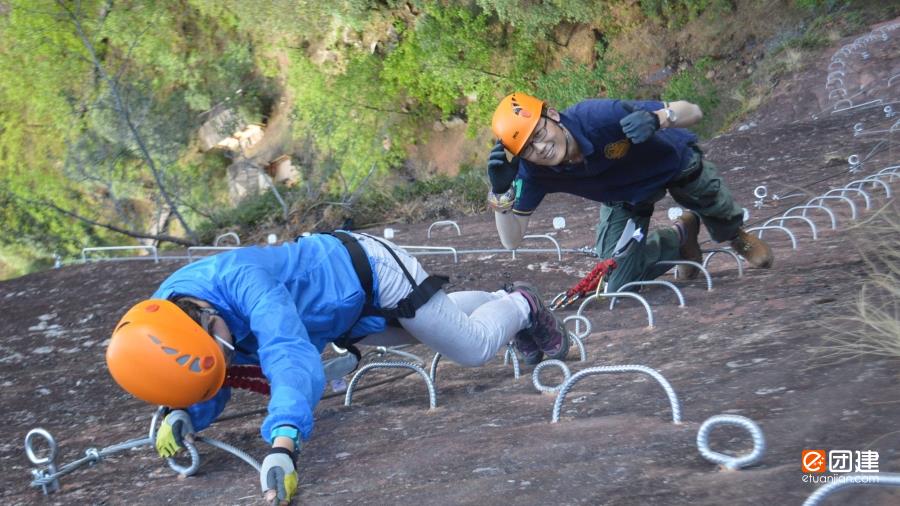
703	192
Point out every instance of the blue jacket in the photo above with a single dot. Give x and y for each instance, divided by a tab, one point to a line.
614	169
282	305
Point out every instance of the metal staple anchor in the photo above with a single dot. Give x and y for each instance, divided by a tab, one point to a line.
432	394
631	295
536	375
853	480
873	180
775	227
569	383
731	462
510	354
580	344
443	223
849	202
732	254
781	220
384	350
656	282
804	209
543	236
432	373
844	191
709	283
578	321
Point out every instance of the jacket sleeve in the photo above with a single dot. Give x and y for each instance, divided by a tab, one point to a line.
289	360
203	413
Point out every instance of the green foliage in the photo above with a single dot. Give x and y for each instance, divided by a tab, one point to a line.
538	18
575	82
677	12
692	85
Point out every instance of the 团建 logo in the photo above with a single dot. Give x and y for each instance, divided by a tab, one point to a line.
813	461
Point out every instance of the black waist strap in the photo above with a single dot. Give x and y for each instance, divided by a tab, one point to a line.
406	308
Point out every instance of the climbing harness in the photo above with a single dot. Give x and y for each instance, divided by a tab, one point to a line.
406	308
590	283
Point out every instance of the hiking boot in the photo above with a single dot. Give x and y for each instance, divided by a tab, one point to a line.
546	330
754	249
531	353
689	223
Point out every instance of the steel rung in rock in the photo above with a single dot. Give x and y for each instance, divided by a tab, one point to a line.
873	180
631	295
582	353
774	227
443	223
655	282
781	220
510	354
804	209
536	375
432	394
853	480
729	461
732	254
543	236
844	191
384	350
611	369
849	202
432	373
578	321
709	283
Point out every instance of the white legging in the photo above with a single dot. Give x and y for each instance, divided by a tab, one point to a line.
465	327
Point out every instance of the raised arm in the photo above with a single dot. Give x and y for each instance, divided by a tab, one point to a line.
511	227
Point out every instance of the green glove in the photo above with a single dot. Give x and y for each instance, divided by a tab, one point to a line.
278	476
170	436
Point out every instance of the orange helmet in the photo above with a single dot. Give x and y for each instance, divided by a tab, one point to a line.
515	119
160	355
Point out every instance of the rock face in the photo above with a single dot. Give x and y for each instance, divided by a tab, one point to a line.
751	346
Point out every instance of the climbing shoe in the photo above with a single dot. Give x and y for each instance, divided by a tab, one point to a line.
528	349
754	249
546	330
689	223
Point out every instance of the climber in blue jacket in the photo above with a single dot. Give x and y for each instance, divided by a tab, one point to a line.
279	307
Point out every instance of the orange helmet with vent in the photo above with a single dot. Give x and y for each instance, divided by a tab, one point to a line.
515	119
160	355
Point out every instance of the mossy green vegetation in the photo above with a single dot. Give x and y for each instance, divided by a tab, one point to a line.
101	102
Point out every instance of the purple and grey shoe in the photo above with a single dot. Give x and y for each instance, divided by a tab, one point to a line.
546	331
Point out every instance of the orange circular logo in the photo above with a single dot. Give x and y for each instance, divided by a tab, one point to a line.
616	150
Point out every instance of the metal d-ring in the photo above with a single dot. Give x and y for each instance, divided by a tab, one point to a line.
731	462
781	220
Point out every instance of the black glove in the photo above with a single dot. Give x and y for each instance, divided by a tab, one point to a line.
501	171
639	125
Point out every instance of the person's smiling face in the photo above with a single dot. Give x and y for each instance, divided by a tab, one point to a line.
547	144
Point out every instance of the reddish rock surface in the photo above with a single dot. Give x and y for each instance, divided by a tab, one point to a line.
747	347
